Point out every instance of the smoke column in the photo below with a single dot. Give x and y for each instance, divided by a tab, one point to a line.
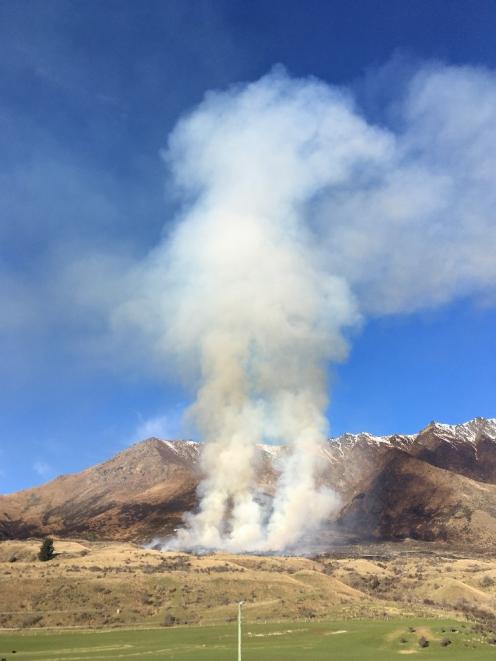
252	302
299	219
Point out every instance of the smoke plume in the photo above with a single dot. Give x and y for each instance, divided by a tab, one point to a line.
299	219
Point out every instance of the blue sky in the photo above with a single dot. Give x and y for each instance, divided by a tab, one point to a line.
89	92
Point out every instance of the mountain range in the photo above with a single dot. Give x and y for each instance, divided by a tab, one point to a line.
438	485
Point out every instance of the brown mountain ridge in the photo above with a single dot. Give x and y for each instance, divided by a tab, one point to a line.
438	485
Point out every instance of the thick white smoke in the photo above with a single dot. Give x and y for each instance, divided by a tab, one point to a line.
299	219
250	299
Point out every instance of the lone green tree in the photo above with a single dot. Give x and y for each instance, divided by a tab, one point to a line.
46	550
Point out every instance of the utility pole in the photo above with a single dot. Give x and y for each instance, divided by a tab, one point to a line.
239	629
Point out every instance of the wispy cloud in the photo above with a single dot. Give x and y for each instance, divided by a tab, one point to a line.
158	426
43	469
168	426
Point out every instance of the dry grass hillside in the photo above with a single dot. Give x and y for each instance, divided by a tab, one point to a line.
93	584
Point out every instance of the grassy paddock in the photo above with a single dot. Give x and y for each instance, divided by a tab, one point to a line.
343	640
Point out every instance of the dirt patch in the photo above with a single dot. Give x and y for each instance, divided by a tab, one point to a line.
274	633
335	633
395	634
426	633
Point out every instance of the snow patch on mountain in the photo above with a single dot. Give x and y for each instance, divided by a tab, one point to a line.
470	431
184	449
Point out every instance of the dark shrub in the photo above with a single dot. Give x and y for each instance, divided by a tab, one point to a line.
46	550
169	620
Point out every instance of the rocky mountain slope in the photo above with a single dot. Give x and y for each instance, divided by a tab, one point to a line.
142	489
437	485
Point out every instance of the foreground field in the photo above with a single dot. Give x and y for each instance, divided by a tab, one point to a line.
343	640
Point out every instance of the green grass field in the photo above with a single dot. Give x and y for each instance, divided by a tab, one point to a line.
341	640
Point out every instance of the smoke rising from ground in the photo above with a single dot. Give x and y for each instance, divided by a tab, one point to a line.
301	218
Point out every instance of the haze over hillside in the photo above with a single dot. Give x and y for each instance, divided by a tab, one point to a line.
438	485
